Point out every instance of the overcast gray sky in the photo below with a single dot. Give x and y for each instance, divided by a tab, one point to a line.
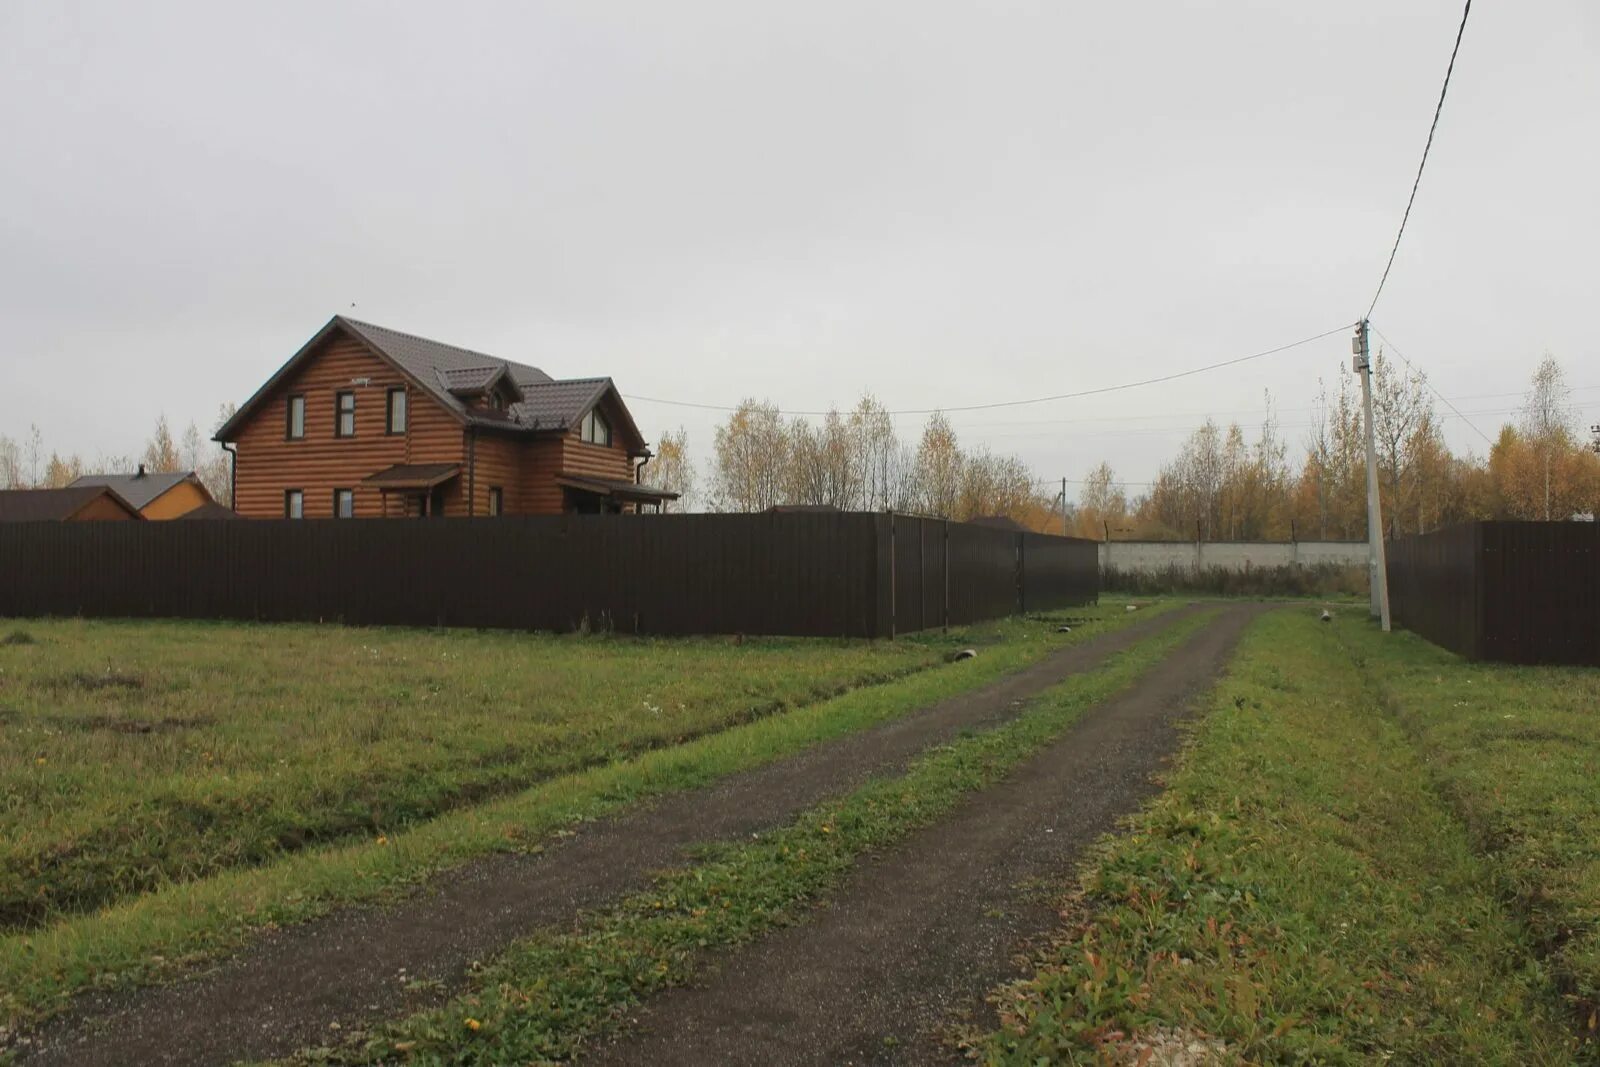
941	203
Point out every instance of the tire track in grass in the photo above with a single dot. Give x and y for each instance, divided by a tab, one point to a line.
922	932
288	990
551	994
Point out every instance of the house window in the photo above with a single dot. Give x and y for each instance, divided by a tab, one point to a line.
595	429
294	504
344	413
344	503
496	499
296	428
397	410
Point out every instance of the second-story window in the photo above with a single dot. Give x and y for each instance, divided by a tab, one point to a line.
344	414
397	410
595	429
296	427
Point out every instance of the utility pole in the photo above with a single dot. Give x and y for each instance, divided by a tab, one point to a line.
1378	569
1064	531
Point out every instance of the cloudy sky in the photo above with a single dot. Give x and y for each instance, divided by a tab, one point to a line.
943	204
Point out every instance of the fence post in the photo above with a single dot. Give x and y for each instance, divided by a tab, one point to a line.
922	575
1022	596
893	601
946	575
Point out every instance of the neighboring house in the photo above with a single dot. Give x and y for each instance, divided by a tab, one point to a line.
365	422
212	510
156	496
86	503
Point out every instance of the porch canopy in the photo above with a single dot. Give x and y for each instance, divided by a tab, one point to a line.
411	477
621	492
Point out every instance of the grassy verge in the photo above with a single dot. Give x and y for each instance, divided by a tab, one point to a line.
140	753
1516	751
550	993
1299	893
155	935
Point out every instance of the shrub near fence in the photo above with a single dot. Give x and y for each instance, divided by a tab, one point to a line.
856	575
1516	592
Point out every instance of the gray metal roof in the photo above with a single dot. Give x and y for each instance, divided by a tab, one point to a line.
136	489
546	404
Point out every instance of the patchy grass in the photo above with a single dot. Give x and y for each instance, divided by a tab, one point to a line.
154	935
551	993
1298	894
274	737
1516	752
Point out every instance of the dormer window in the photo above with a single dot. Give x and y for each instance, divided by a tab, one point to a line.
595	429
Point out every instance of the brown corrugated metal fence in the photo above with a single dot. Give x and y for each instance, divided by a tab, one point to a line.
1516	592
857	575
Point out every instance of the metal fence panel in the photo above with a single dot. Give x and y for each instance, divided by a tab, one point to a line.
1515	592
811	574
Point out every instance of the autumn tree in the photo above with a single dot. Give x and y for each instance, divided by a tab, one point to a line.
161	454
876	450
937	466
824	464
670	469
1550	424
750	459
1102	503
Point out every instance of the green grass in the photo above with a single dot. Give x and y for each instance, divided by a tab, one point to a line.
1516	751
154	935
1300	893
139	753
553	992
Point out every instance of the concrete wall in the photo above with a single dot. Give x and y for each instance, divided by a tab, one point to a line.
1233	555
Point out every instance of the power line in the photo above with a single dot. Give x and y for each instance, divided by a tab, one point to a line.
1424	376
1032	400
1438	108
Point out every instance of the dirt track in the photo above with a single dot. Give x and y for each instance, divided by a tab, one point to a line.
918	936
287	989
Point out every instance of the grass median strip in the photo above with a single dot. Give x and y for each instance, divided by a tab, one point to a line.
156	935
550	993
1297	894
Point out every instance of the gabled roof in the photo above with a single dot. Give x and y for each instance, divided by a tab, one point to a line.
138	489
447	373
475	381
54	505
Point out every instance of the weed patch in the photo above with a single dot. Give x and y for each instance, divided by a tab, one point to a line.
17	637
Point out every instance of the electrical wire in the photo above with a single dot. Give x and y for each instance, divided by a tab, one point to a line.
1424	376
1031	400
1438	108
